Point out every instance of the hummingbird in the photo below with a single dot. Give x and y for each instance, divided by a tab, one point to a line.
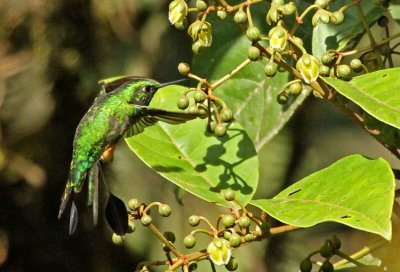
120	109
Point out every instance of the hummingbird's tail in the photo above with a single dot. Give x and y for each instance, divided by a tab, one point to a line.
64	200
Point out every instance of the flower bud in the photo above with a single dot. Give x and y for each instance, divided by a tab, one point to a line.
356	65
253	33
244	221
277	38
235	240
117	240
146	220
289	8
337	17
199	96
164	210
133	204
228	221
193	109
326	58
327	267
249	237
184	68
221	14
183	102
324	70
298	41
308	68
220	130
343	71
201	5
211	126
178	10
295	88
326	250
324	18
232	265
315	19
270	69
240	17
253	53
219	250
275	11
273	15
196	47
282	98
194	220
306	265
322	3
229	195
189	241
226	115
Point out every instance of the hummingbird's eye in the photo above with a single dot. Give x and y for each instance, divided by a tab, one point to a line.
148	88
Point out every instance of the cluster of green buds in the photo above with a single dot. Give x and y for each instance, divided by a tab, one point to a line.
140	211
201	100
278	9
236	229
327	251
325	16
329	67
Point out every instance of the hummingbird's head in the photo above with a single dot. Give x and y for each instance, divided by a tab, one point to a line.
144	90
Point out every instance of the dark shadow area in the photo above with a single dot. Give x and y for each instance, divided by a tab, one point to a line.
213	157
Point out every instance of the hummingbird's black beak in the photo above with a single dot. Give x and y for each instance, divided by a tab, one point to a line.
172	82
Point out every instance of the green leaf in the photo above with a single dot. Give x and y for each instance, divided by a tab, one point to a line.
329	36
250	94
376	93
198	162
355	191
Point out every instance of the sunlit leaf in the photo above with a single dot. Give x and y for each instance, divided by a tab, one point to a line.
355	191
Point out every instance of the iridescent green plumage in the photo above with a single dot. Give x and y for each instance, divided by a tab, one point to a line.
120	109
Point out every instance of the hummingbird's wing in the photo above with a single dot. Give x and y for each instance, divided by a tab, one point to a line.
154	115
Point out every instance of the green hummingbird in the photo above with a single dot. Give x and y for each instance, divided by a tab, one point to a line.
121	108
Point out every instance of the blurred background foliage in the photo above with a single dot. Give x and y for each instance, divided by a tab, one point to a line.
52	53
